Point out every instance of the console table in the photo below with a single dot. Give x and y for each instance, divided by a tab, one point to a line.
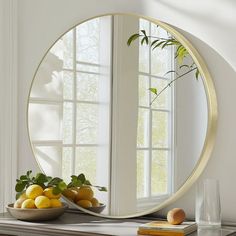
83	224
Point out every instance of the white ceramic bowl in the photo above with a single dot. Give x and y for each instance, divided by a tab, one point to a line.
36	214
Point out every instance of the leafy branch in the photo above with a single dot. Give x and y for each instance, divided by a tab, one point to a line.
180	53
80	180
40	179
56	183
154	90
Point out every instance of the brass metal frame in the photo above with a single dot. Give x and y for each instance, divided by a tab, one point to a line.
212	115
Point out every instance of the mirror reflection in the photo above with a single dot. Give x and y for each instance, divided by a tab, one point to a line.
95	108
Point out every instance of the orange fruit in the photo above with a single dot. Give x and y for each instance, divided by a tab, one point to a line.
95	202
70	194
84	203
84	193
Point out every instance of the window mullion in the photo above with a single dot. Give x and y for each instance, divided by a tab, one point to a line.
150	123
74	104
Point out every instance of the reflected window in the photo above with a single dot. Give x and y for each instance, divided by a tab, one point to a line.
155	119
91	112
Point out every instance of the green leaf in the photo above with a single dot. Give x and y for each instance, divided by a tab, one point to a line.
23	177
170	71
74	177
49	178
158	45
145	39
153	90
76	181
154	42
56	190
182	66
20	186
132	38
87	182
164	45
62	186
144	32
82	178
54	181
197	73
41	178
102	189
28	173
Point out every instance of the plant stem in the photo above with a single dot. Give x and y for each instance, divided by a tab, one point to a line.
172	81
154	37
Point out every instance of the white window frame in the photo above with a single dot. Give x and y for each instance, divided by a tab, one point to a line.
8	102
149	199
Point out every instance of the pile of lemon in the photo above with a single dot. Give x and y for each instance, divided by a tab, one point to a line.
83	196
37	197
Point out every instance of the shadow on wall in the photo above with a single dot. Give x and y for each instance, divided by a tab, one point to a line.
222	163
219	14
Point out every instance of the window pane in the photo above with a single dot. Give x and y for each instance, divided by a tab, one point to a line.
158	31
142	175
87	41
86	161
67	85
45	121
143	91
67	164
67	124
87	123
143	128
163	100
63	49
68	50
94	68
144	51
160	62
159	172
49	157
159	129
87	87
48	82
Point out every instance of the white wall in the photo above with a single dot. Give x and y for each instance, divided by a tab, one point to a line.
191	118
40	22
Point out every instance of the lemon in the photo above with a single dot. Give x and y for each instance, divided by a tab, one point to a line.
84	193
55	203
48	192
18	202
84	203
28	203
34	191
42	202
95	202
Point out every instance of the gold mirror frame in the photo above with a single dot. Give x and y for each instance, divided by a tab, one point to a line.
212	115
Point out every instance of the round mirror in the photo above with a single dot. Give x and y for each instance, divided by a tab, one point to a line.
123	109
